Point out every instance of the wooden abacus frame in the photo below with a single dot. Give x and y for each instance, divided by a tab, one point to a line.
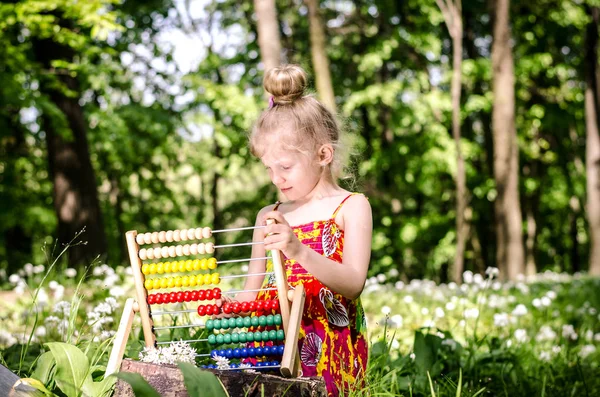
291	302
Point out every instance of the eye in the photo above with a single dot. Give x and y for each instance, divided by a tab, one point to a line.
286	167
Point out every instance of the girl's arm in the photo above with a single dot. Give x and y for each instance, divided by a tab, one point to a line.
256	266
346	278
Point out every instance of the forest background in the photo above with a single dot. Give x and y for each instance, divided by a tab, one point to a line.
474	124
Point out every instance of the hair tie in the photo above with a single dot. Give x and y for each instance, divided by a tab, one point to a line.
271	103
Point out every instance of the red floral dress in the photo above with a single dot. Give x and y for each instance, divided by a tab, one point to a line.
332	341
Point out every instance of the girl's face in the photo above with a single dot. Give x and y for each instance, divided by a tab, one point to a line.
295	174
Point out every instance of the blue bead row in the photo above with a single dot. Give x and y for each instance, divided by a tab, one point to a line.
235	365
249	352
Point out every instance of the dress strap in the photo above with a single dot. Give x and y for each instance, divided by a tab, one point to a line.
339	207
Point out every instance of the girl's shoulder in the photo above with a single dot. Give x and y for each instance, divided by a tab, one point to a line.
354	209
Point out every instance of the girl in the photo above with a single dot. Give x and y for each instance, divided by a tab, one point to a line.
329	245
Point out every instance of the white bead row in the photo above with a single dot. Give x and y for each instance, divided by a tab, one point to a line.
173	235
173	251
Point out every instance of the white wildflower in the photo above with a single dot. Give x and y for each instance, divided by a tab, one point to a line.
450	306
450	343
439	312
40	331
468	277
568	332
397	320
586	350
597	337
556	349
545	356
429	323
501	319
520	310
537	303
545	333
395	344
521	335
478	279
6	338
394	272
28	269
117	291
412	356
496	285
424	311
63	308
14	278
589	335
386	310
546	301
492	272
222	362
38	269
70	272
53	285
471	313
408	299
381	278
551	294
452	285
399	285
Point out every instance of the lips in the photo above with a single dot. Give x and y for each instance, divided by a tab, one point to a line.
286	189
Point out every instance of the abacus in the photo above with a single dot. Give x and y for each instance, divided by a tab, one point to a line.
276	322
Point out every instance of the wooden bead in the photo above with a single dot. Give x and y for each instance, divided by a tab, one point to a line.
157	253
198	233
191	234
169	236
150	253
186	249
142	254
206	232
194	249
178	250
176	235
147	238
139	239
162	237
172	251
164	252
154	237
210	248
201	248
183	234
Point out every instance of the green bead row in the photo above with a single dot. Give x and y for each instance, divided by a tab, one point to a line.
239	322
243	337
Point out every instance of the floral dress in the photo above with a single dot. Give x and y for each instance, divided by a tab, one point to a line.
332	341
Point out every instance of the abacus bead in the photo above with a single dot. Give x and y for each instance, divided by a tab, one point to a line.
176	235
178	250
196	264
249	336
153	268
219	338
247	321
186	249
154	237
265	336
280	335
146	269
254	321
244	352
280	349
275	305
237	353
191	234
212	339
201	295
239	322
206	279
270	320
227	338
187	296
148	238
169	236
222	353
151	299
172	252
242	337
161	237
180	296
277	319
272	335
199	279
210	248
189	265
150	253
244	307
259	351
229	353
258	336
235	337
156	283
198	233
178	281
216	309
217	293
262	321
260	305
217	324
206	232
201	249
251	352
215	279
139	239
252	306
183	234
201	310
172	297
266	350
226	308
160	268
148	284
203	265
193	282
211	263
164	283
185	281
209	325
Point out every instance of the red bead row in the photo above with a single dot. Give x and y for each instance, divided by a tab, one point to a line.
184	296
250	306
204	310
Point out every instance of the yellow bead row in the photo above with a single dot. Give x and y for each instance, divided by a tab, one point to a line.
182	281
189	265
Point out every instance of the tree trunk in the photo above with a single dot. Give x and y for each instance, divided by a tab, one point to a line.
509	250
267	26
592	160
75	192
319	56
452	11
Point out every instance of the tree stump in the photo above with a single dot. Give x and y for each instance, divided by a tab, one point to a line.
167	380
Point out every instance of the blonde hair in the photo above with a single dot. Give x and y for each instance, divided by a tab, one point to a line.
296	119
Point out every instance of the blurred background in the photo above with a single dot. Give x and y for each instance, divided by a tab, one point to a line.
474	127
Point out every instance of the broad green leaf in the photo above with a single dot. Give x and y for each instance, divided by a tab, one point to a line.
43	367
140	386
98	389
32	388
72	367
201	383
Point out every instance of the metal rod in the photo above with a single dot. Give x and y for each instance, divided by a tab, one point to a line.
178	326
243	260
235	229
187	341
241	369
239	244
247	275
174	312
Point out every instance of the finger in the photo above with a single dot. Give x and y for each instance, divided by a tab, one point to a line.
277	216
276	228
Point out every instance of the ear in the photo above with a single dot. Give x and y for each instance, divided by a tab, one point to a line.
325	154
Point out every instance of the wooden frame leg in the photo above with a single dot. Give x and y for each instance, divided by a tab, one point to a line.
290	362
120	341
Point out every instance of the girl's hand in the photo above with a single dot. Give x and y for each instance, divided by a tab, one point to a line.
280	236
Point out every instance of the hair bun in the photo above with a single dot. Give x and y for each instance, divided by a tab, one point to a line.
285	83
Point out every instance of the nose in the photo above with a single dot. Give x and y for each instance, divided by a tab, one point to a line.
276	178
